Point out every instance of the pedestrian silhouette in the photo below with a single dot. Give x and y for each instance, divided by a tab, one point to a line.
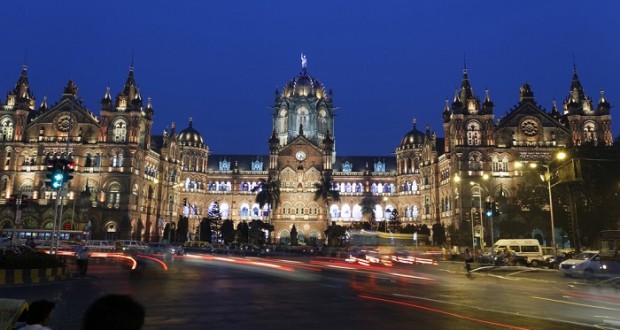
39	315
113	311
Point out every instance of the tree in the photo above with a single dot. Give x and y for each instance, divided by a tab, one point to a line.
205	230
268	193
294	235
368	205
228	231
325	192
215	216
335	234
182	229
439	234
243	231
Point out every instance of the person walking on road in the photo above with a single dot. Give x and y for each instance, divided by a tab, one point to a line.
468	259
82	254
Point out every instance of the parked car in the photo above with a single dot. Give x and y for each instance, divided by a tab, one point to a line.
368	257
586	264
198	247
565	254
133	246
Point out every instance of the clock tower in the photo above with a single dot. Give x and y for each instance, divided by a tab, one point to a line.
303	120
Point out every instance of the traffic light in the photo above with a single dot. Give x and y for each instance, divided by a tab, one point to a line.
24	201
55	174
489	209
67	170
496	212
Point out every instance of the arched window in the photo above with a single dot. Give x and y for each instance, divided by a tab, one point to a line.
6	130
475	161
589	132
334	212
473	134
244	211
114	195
120	131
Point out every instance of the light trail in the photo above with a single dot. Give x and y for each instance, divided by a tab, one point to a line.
439	311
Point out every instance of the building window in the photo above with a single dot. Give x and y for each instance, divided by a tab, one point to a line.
589	132
120	132
473	134
6	130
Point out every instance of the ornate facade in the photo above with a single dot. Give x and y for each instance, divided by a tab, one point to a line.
129	183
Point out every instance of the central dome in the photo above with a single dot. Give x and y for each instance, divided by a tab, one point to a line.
304	85
191	137
413	138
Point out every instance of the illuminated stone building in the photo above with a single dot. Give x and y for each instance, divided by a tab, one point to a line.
129	182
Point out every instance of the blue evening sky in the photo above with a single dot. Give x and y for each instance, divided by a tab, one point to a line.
386	61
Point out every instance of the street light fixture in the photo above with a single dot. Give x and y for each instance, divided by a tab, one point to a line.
457	179
547	177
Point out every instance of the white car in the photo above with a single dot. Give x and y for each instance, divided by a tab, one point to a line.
586	263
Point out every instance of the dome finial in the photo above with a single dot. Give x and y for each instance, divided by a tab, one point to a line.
190	121
304	61
414	122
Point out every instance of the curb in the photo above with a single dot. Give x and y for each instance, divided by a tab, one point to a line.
32	276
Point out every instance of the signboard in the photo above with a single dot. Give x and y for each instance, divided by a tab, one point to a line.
18	217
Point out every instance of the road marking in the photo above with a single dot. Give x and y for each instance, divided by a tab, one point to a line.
575	304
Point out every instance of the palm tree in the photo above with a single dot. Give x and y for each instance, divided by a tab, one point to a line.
368	209
325	191
268	194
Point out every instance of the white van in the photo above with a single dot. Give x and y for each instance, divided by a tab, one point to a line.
529	248
100	245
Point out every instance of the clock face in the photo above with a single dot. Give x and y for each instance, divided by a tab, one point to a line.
300	155
529	127
63	122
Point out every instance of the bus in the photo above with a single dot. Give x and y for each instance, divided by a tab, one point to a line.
40	236
609	251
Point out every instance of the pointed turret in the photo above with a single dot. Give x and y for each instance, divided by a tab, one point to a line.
525	93
129	99
43	106
487	106
447	114
577	102
21	97
106	101
603	105
70	90
149	108
465	101
555	113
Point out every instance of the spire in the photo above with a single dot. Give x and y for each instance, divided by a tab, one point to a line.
447	114
70	90
273	140
603	104
106	101
525	93
21	97
301	129
190	122
414	122
487	106
43	106
107	95
555	113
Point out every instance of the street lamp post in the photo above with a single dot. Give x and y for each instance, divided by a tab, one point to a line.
477	185
548	179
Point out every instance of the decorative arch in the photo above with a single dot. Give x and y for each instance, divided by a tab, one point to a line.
7	128
119	130
474	133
